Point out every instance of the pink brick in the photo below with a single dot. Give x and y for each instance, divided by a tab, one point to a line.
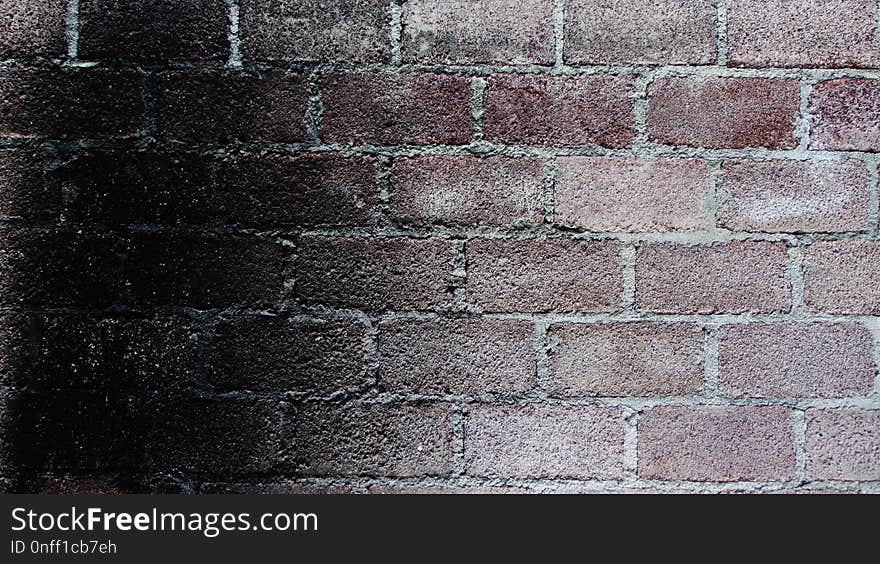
845	115
396	109
507	32
559	111
625	359
621	194
716	444
543	275
791	360
467	191
842	277
314	30
723	112
640	32
374	273
803	33
32	28
456	356
794	196
383	439
544	441
843	444
736	277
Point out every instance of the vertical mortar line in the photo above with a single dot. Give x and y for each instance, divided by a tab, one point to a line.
542	343
288	273
395	31
640	105
71	31
630	446
711	365
714	194
233	10
627	257
873	325
558	34
150	96
799	434
721	41
315	108
371	374
459	275
459	437
383	182
551	170
796	274
871	163
478	93
802	125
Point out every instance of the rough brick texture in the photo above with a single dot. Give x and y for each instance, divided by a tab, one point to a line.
845	115
843	444
33	28
631	195
22	192
794	196
842	277
723	112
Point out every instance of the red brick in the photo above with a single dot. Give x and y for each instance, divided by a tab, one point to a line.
625	359
559	111
33	28
507	32
544	441
723	112
736	277
273	354
153	29
842	277
381	440
794	196
308	189
640	32
313	30
396	109
70	102
716	443
456	356
467	191
843	444
543	275
802	33
845	115
374	273
790	360
204	271
22	191
223	106
621	194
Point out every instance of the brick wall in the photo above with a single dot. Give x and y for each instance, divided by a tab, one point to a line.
431	246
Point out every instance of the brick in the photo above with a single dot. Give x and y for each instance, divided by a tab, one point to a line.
33	28
640	32
625	359
312	30
374	273
303	190
125	187
716	443
70	102
19	338
843	444
794	196
845	115
456	356
735	277
791	360
720	112
544	441
842	277
220	106
621	194
23	194
153	29
507	32
802	33
543	275
203	271
273	354
559	111
380	439
396	109
467	191
60	268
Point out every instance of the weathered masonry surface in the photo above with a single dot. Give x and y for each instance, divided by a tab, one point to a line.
376	246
